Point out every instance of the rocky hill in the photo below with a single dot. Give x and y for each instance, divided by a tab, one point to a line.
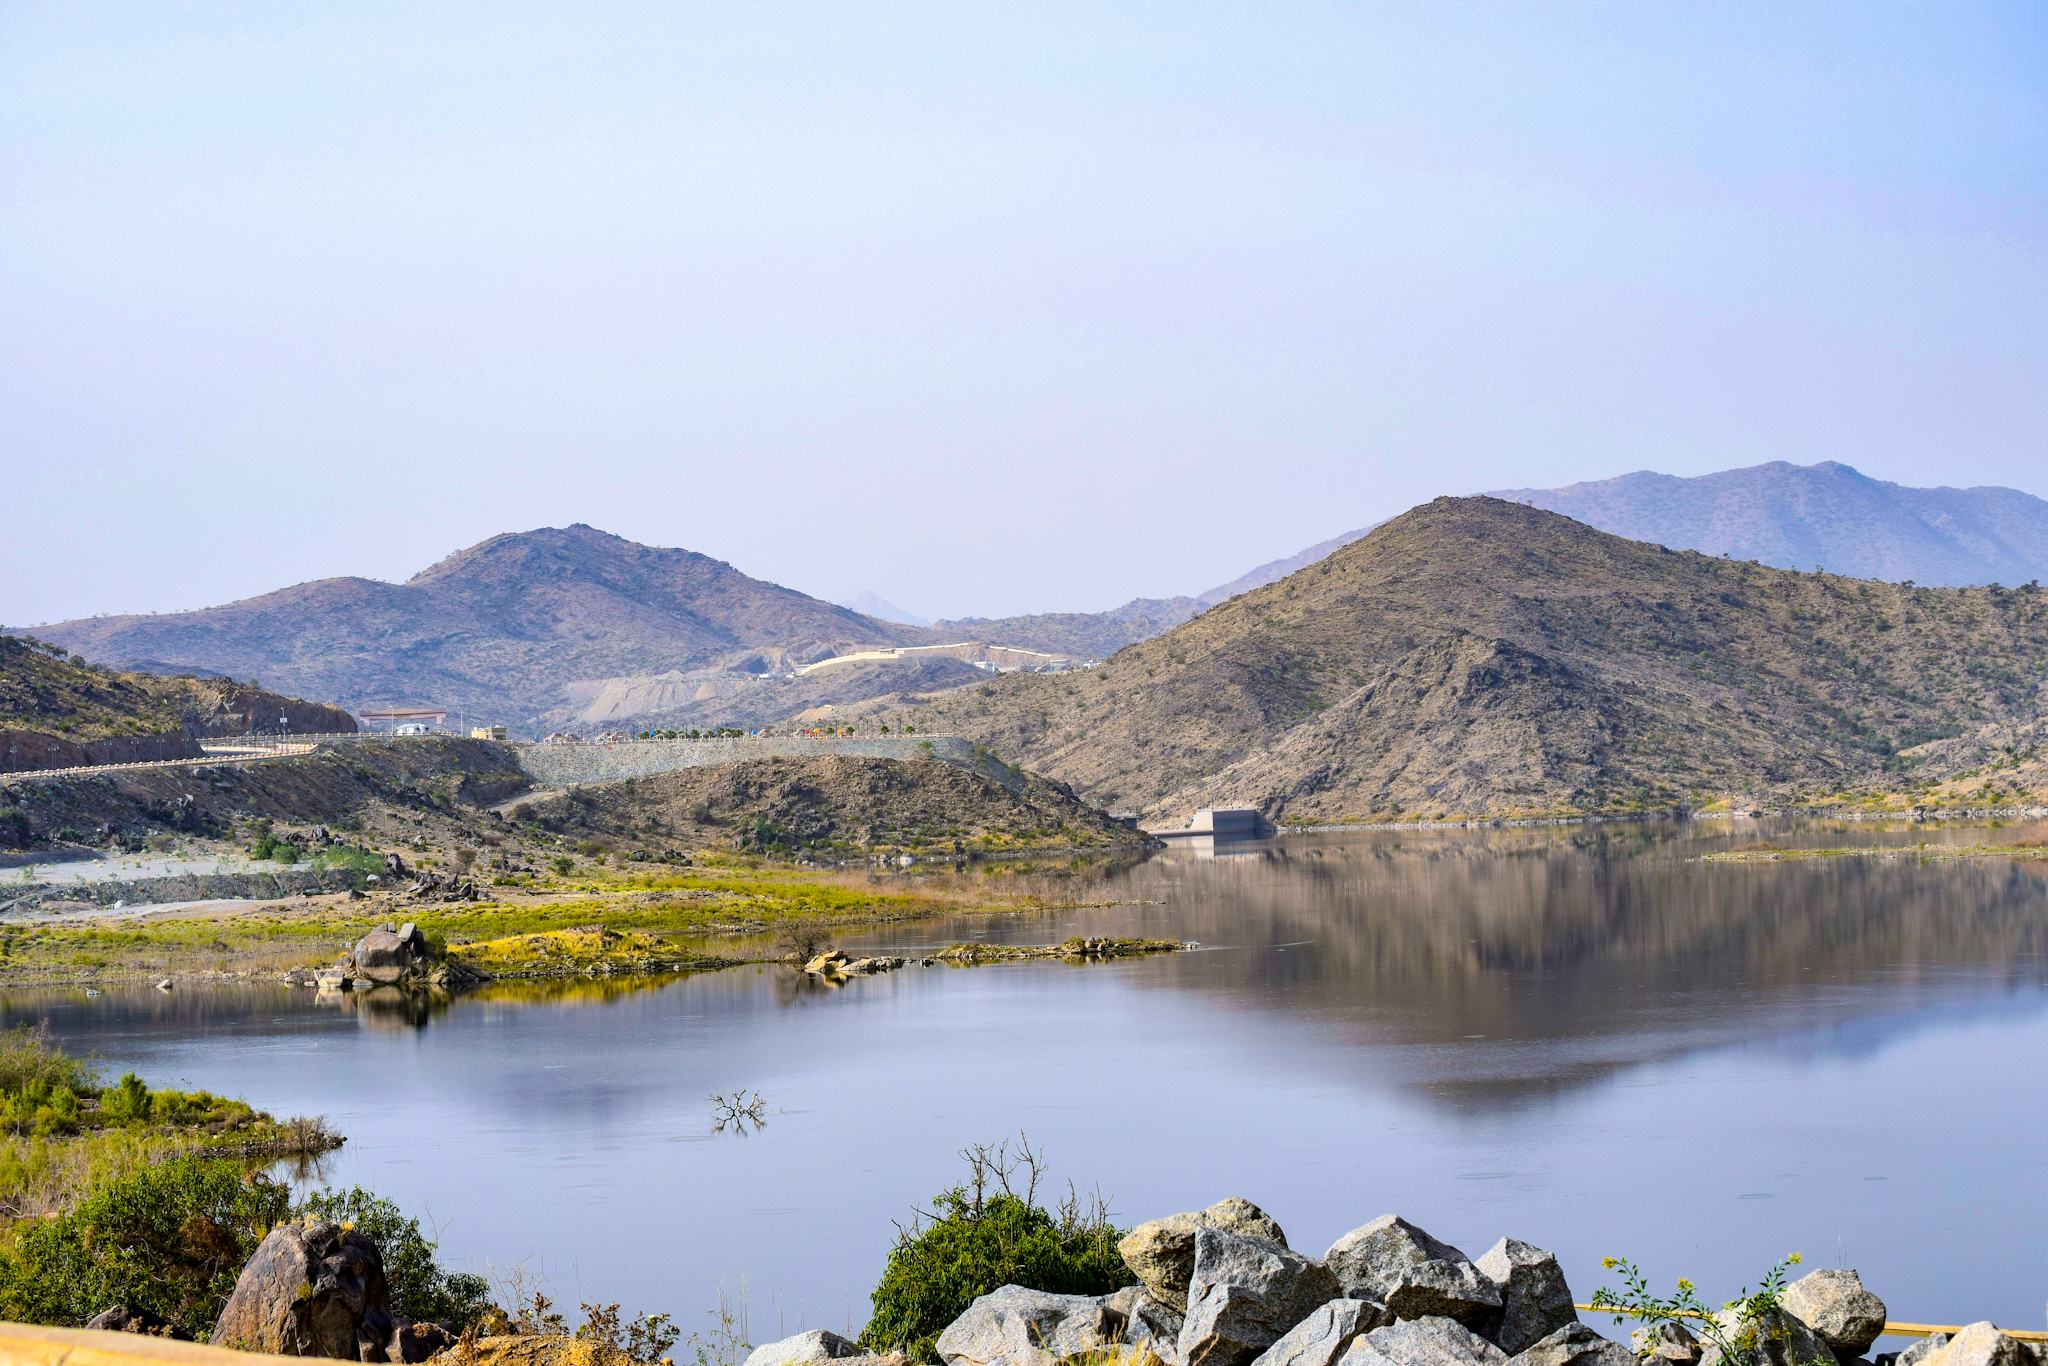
1481	657
499	630
832	804
57	711
1826	516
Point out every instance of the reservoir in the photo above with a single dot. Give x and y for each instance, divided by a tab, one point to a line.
1595	1039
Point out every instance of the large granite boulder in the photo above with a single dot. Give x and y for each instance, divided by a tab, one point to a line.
1771	1338
1148	1323
804	1349
1392	1262
1834	1304
1981	1344
1325	1335
128	1318
1534	1299
1918	1351
1014	1326
1244	1294
1429	1341
1666	1344
1574	1345
311	1290
1161	1253
389	954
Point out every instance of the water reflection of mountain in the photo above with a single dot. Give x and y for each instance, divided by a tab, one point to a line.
1552	960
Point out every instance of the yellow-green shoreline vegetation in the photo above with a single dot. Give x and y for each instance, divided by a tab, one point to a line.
633	918
1765	852
1078	949
64	1128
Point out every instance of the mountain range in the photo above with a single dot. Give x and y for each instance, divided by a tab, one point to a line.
1826	516
500	630
1477	656
573	627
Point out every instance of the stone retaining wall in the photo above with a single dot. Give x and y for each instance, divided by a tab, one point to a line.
570	765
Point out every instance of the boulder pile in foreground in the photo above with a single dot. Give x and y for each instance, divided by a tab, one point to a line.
1221	1287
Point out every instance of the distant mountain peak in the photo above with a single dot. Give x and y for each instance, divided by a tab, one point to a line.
869	603
1829	515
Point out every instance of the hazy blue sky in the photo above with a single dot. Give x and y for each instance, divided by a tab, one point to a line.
989	308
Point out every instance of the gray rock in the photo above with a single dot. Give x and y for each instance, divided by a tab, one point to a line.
1534	1300
1428	1341
1921	1349
1980	1344
1161	1253
310	1290
384	958
1015	1326
1323	1336
1834	1304
1575	1345
1397	1264
803	1349
1668	1344
1148	1323
1772	1338
127	1318
1244	1294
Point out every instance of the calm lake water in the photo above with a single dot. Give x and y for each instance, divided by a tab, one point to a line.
1587	1039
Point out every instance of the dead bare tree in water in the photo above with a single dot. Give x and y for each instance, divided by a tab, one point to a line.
743	1111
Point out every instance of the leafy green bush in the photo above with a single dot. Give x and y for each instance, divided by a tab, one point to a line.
128	1102
984	1235
27	1055
420	1289
170	1238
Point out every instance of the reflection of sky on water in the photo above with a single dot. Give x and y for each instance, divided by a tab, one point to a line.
1594	1044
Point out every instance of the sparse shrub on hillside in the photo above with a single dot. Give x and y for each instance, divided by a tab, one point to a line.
984	1234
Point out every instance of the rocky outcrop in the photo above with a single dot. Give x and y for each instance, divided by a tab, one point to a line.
1244	1294
127	1318
1575	1345
1161	1253
1325	1335
389	955
1834	1304
1666	1344
1014	1326
1426	1341
834	964
311	1290
1148	1323
1981	1344
1771	1338
1392	1262
1534	1299
804	1349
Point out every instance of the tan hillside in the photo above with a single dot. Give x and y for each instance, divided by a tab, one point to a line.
1480	657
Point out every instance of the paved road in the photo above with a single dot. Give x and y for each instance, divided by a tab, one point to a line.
239	753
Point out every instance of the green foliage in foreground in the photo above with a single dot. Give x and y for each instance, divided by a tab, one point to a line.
979	1240
169	1238
173	1236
